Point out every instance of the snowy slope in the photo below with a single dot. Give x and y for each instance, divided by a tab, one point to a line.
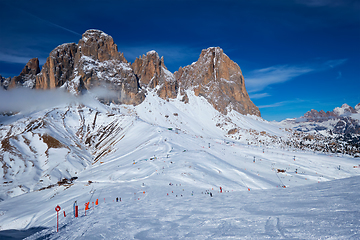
322	211
124	151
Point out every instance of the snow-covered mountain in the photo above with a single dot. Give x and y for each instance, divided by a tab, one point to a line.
162	143
95	61
339	128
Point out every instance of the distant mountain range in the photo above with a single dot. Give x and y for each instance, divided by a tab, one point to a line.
341	120
339	126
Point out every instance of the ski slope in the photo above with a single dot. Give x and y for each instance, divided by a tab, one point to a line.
163	158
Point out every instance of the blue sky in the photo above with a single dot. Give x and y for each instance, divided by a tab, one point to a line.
295	55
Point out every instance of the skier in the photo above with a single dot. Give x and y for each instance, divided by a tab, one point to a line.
210	194
117	199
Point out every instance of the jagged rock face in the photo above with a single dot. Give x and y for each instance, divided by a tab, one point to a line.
111	74
152	73
58	68
27	75
99	46
95	61
32	67
98	63
218	79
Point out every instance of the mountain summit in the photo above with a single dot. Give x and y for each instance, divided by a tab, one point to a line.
95	61
218	79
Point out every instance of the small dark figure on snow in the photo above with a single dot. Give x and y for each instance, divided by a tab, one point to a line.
117	199
210	194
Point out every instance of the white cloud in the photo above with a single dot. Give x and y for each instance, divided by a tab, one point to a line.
259	95
339	75
333	63
279	104
259	79
25	99
15	58
323	3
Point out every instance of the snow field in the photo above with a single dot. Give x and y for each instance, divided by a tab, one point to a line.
169	158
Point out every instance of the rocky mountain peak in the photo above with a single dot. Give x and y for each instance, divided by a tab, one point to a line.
152	73
32	67
316	116
148	68
27	75
96	62
99	46
218	79
338	113
343	110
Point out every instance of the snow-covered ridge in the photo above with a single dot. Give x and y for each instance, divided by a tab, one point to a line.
343	110
151	52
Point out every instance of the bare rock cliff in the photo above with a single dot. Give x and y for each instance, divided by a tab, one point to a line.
58	67
99	46
152	73
218	79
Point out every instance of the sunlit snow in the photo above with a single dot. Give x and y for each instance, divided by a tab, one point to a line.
163	159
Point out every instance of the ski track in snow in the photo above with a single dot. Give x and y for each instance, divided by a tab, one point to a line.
164	178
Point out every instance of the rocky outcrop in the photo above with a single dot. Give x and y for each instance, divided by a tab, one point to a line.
218	79
99	64
25	79
152	73
98	46
58	68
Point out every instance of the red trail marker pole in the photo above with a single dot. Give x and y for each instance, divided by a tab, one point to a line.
57	209
76	211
